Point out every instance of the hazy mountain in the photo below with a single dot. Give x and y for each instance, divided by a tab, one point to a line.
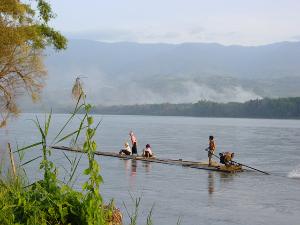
120	59
132	73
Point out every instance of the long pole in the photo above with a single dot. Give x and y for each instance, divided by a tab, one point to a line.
243	164
251	167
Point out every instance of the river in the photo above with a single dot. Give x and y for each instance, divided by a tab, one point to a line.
191	195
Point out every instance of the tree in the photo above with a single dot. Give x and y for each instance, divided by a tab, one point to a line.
24	34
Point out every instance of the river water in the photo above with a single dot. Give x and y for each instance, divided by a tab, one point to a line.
192	196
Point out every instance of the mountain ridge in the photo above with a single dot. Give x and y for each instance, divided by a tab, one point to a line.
138	73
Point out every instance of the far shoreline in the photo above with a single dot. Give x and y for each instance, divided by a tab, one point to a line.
150	115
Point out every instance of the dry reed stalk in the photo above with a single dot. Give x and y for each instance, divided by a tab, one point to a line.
12	161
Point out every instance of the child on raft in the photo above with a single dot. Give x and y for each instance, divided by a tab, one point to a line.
147	152
126	150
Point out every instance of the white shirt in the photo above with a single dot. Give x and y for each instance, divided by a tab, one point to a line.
148	150
128	148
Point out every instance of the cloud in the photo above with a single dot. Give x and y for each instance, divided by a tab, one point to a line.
170	35
196	30
295	38
104	35
157	34
160	35
150	35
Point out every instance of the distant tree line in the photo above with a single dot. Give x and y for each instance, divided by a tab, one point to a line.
286	108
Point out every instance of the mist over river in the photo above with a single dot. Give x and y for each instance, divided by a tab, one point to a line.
191	195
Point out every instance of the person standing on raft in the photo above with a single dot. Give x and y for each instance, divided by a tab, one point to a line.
211	149
134	143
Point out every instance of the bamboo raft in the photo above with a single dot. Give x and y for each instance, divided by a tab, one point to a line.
191	164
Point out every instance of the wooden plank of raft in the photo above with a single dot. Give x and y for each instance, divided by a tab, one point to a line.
185	163
113	154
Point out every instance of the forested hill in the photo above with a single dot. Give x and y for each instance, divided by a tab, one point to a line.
285	108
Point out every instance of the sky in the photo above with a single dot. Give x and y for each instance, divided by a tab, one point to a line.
228	22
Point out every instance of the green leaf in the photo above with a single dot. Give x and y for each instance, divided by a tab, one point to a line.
90	120
37	123
67	136
67	158
68	121
98	124
80	128
74	170
47	124
29	146
85	186
31	160
87	108
94	145
85	146
87	171
90	132
100	179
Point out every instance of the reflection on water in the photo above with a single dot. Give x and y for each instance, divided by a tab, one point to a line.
211	182
222	178
147	166
133	167
226	177
127	165
132	164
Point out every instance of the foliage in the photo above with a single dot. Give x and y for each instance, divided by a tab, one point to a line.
37	205
258	108
50	201
24	33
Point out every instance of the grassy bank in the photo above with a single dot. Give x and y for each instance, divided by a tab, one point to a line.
50	200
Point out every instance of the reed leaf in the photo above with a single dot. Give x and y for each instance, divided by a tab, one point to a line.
80	128
68	135
74	170
179	221
149	217
38	125
31	160
98	124
68	121
67	158
47	123
29	146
